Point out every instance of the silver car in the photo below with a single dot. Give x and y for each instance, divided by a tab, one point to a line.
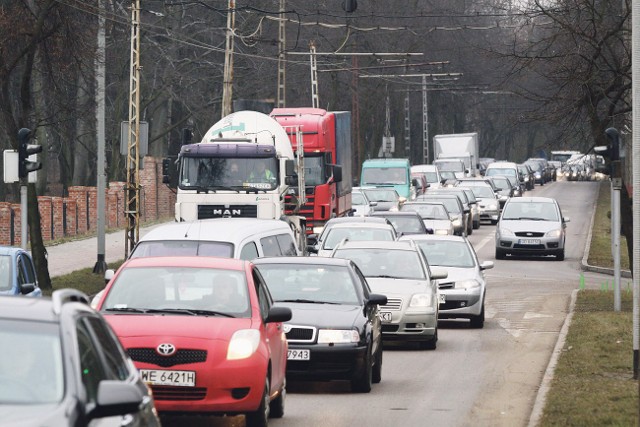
434	215
488	203
355	231
531	226
462	294
400	271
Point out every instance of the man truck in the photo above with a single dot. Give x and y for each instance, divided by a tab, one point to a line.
326	137
218	177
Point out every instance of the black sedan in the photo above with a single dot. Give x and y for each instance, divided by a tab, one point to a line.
335	332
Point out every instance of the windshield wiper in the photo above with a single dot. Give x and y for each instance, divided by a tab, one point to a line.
127	309
173	311
212	313
385	276
308	301
223	187
526	218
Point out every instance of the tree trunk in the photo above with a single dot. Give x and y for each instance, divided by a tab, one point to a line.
38	251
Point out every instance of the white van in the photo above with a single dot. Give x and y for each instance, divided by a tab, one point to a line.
241	238
432	174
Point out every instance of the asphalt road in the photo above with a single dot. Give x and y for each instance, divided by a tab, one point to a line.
486	377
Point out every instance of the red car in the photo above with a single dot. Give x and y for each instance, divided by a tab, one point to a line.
204	334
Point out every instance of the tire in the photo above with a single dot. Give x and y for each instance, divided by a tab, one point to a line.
362	384
276	407
476	225
500	254
376	375
477	322
260	417
432	343
560	256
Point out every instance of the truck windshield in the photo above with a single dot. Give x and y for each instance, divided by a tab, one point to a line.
314	170
374	176
215	173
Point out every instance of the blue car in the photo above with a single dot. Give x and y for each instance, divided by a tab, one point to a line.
17	273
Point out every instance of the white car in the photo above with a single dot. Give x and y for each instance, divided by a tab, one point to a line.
360	204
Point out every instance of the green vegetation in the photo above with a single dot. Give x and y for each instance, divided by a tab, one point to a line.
600	249
593	382
84	280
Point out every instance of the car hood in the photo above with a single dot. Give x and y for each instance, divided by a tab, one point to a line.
32	415
437	223
128	326
323	315
396	287
457	274
525	225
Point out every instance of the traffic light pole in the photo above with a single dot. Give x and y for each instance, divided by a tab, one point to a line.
24	225
616	185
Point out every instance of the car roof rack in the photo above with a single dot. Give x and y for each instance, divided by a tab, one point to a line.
63	296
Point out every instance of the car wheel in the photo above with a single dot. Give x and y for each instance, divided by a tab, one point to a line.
276	407
477	322
432	343
376	375
362	383
260	417
560	256
476	225
500	254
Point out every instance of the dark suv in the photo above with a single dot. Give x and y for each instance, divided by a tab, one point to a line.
61	365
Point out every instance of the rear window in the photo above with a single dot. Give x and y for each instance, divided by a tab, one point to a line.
182	248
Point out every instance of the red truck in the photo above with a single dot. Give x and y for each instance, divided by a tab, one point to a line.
326	137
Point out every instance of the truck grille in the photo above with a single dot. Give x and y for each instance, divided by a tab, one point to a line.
230	211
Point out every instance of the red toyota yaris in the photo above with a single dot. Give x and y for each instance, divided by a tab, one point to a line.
204	334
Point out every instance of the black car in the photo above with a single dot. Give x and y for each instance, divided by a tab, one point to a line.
62	365
405	222
335	332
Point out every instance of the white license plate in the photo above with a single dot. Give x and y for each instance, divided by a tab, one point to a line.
298	355
385	316
175	378
529	241
442	298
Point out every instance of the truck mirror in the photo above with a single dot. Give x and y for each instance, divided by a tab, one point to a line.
291	180
414	182
337	173
290	167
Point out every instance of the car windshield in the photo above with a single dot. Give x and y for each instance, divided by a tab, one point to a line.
382	195
406	224
355	233
427	211
31	368
501	172
312	283
182	248
149	289
432	177
379	262
358	199
446	253
451	203
542	211
384	175
5	273
483	192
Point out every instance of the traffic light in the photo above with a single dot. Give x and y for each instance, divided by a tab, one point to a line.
24	151
613	149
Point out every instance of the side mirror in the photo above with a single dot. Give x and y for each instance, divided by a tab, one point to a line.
291	180
566	219
377	299
27	288
108	275
402	199
337	173
116	398
438	273
289	167
312	249
279	314
486	265
414	182
373	204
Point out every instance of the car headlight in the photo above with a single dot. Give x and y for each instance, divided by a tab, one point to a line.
318	230
243	344
467	284
538	175
493	206
526	179
456	222
553	233
441	231
328	336
504	232
420	300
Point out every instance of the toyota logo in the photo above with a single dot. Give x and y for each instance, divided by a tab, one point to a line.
166	349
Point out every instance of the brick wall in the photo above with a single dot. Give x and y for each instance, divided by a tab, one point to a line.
77	214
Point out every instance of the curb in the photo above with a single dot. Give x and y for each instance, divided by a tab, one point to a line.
541	397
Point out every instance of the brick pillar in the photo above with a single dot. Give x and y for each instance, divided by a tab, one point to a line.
148	184
79	194
6	224
58	217
46	217
71	216
116	211
17	220
92	202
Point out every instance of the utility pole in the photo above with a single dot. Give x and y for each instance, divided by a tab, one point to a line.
132	201
315	101
282	46
227	89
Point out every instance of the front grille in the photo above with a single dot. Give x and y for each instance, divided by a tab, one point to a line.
181	357
222	211
393	304
178	393
529	234
533	247
301	334
390	328
450	305
449	285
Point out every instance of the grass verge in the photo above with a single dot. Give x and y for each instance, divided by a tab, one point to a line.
84	280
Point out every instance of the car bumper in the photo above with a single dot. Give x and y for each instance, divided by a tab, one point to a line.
546	246
460	304
411	327
328	362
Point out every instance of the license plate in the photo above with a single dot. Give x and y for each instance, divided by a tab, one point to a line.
385	316
298	355
529	241
442	298
175	378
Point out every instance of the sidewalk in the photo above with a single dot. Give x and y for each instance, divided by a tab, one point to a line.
67	257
